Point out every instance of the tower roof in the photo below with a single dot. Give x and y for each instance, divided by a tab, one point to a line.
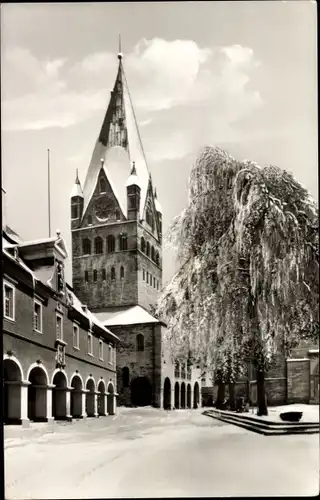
133	178
76	190
119	143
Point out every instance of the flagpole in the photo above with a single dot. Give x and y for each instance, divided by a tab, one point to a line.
49	218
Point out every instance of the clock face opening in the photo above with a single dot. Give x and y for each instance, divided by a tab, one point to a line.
104	208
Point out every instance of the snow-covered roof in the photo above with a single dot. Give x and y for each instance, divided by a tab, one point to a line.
58	242
93	319
76	190
118	159
132	315
133	178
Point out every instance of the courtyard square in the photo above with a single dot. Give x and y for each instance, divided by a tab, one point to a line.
146	452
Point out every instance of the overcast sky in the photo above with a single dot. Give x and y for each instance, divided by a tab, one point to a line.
240	75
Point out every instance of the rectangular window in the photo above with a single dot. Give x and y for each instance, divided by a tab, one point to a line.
110	355
9	301
101	349
143	275
59	327
37	316
90	344
76	337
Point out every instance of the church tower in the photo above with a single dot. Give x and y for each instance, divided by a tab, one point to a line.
116	220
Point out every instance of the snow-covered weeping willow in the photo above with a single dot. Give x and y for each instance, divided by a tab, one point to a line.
248	283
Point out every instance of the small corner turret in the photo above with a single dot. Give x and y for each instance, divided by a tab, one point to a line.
76	203
133	194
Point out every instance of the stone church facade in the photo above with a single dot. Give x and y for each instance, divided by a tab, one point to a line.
116	225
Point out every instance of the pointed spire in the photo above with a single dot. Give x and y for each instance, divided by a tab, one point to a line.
77	177
133	171
76	190
120	55
133	178
119	142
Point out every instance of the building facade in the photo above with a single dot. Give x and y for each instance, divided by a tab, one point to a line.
116	225
290	380
59	360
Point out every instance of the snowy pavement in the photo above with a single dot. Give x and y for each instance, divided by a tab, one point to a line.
153	453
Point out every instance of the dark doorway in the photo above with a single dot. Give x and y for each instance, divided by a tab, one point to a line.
59	396
177	396
11	392
183	395
196	395
141	392
189	396
76	397
110	399
101	398
167	394
37	395
90	386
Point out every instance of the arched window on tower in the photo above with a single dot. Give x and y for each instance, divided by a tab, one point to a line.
86	246
157	260
95	275
113	273
148	249
102	186
74	211
111	243
122	272
123	242
125	376
152	253
140	342
98	245
149	215
143	244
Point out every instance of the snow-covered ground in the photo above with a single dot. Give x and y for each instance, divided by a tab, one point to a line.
153	453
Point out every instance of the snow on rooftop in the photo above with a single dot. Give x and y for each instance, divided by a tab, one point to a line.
88	314
129	316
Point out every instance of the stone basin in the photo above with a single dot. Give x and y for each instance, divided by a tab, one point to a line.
291	416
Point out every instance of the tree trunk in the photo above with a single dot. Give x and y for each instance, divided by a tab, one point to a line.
221	396
232	397
261	394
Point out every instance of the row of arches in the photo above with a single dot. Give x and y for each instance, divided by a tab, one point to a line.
149	250
184	396
96	274
98	244
36	399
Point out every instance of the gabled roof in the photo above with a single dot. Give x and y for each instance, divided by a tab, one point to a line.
132	315
119	144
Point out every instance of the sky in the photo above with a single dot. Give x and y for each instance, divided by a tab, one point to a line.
238	75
